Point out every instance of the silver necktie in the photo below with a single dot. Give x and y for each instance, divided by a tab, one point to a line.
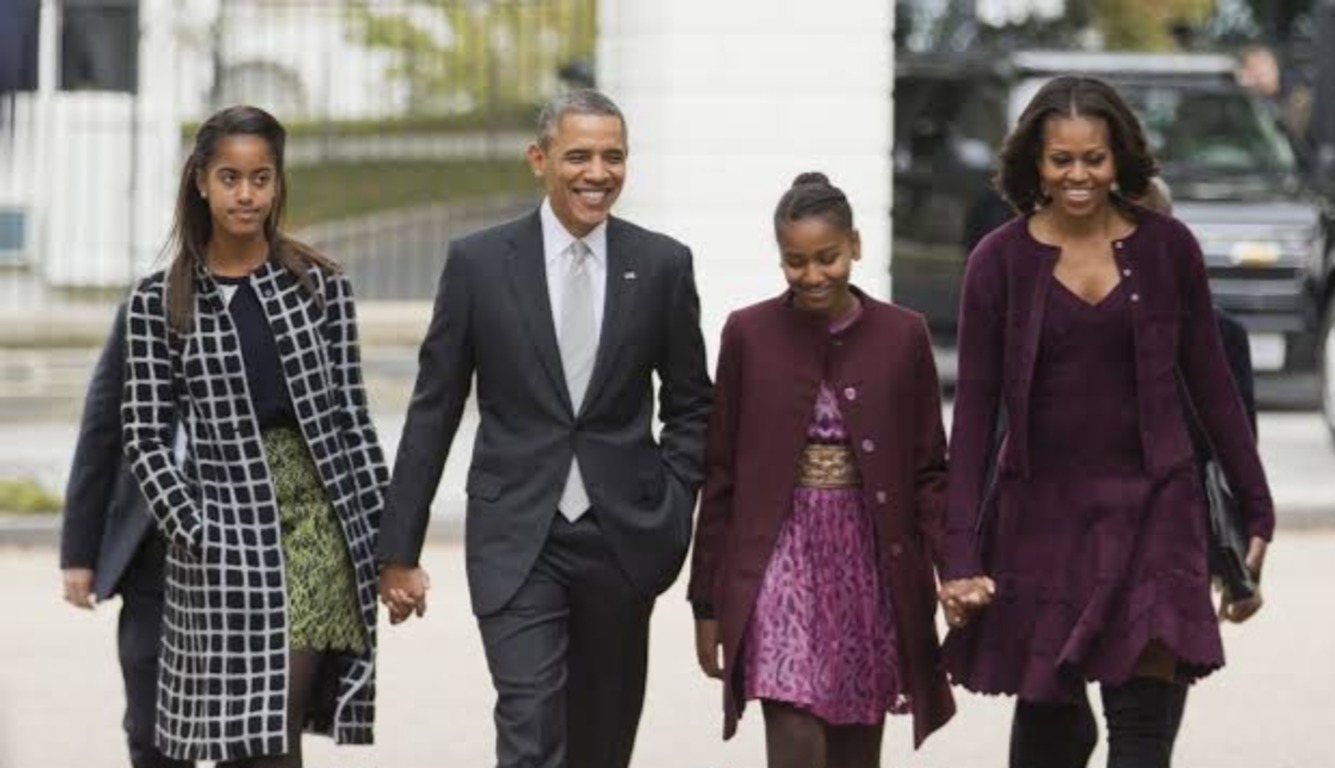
578	339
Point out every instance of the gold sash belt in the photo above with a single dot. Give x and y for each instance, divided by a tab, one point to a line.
828	466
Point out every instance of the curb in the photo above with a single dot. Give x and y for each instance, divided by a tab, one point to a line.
85	326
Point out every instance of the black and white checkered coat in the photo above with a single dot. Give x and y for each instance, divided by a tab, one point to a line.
222	689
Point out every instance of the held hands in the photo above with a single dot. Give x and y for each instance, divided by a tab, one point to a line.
403	590
1238	611
962	598
709	647
78	587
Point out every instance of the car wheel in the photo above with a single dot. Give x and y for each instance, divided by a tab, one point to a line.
1326	356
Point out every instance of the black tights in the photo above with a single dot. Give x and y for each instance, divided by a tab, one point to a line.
303	668
798	739
1142	715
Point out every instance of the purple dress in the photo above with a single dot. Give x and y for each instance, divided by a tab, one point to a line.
1093	557
822	635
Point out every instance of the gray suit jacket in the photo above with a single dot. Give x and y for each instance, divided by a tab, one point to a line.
493	319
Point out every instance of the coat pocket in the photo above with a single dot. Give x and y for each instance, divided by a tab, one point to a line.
653	484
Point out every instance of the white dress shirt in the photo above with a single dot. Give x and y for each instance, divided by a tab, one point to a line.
556	241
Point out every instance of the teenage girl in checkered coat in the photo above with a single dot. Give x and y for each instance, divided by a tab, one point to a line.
245	421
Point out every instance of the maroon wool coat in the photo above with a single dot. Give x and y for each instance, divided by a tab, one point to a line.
772	360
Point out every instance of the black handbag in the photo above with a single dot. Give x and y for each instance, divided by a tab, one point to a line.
1228	537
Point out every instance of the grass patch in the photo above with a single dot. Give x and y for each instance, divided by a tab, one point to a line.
340	190
25	496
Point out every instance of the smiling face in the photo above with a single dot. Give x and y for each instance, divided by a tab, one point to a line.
582	168
1076	165
817	258
240	185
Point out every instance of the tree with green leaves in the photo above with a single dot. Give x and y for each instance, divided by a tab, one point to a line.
459	56
1144	26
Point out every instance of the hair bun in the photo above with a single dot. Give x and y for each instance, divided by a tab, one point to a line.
811	177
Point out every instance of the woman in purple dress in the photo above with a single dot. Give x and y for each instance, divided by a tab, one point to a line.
821	512
1087	541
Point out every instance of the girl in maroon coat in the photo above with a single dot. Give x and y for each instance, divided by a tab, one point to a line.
821	512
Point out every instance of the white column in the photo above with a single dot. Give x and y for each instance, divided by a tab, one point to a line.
158	145
726	102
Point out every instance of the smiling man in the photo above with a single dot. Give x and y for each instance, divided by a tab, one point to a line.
577	517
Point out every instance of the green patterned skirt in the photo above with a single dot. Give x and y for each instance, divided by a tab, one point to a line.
323	613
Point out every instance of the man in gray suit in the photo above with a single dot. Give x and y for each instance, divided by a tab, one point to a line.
577	518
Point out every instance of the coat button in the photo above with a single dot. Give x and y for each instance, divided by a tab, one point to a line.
896	549
868	446
850	393
1135	297
1126	272
881	497
267	291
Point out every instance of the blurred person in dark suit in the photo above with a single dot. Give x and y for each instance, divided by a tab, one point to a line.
1237	351
109	546
1159	197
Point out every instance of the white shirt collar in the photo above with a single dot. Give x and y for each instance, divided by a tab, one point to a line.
556	238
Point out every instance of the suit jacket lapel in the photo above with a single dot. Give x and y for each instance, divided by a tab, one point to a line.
528	279
620	295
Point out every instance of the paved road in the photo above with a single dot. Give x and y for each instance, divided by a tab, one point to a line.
60	690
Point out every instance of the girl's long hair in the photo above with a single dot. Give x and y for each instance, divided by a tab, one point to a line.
192	226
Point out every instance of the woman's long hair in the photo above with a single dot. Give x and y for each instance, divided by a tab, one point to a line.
192	227
1069	96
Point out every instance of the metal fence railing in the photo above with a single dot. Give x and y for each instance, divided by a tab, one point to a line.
397	110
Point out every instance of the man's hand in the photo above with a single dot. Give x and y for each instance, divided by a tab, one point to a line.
403	590
79	587
962	598
708	647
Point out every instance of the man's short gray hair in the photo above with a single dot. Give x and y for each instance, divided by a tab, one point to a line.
585	101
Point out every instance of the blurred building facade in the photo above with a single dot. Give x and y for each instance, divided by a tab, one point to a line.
93	140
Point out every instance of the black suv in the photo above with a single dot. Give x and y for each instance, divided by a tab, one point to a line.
1233	174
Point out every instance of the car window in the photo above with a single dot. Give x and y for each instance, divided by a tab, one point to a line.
948	123
1209	131
1200	130
908	94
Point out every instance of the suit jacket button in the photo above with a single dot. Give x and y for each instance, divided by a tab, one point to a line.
896	549
868	446
881	497
850	393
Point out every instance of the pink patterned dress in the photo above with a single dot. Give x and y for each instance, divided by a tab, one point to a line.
822	635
